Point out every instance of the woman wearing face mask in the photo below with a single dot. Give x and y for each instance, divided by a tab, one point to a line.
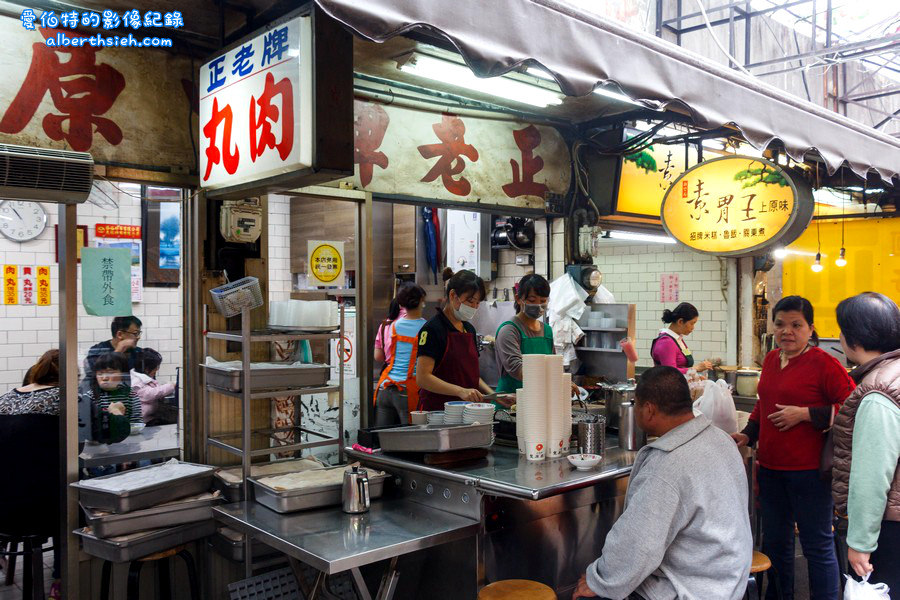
801	387
669	348
525	334
447	363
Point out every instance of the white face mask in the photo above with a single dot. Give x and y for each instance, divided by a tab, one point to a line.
465	312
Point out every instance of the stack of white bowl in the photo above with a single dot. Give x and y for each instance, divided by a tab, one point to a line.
543	407
453	412
478	412
435	417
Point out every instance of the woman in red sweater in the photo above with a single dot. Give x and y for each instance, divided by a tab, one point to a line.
800	390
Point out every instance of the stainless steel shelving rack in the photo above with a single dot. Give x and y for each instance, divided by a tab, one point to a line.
242	442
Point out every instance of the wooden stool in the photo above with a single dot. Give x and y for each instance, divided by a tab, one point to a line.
165	585
516	589
32	562
759	565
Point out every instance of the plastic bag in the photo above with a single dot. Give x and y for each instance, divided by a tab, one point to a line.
718	406
604	296
863	590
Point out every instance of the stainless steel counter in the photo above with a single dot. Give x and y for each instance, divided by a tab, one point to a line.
153	442
543	521
332	541
508	474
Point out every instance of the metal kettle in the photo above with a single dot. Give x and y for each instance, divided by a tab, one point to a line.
355	491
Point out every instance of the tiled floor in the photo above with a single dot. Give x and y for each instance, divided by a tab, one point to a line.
14	592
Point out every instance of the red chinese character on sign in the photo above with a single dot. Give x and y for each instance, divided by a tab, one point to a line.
43	271
369	126
26	270
210	130
269	112
80	89
523	183
451	131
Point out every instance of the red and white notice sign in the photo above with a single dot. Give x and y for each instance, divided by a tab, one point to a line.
668	288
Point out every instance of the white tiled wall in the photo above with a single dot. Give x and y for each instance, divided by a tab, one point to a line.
632	273
509	273
26	332
279	248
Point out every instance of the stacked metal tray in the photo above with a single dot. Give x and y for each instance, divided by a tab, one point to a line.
306	498
146	496
298	376
436	438
187	510
137	545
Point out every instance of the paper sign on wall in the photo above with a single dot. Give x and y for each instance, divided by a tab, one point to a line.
326	263
43	285
28	287
106	277
137	271
348	357
10	284
668	288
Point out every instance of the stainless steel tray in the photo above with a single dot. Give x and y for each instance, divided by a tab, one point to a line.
285	501
233	491
436	438
312	375
151	495
138	545
230	544
188	510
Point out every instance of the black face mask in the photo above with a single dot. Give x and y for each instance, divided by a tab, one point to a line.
534	311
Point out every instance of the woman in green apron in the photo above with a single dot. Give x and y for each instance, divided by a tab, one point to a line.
525	334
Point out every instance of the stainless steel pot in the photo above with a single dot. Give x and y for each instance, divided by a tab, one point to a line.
618	394
631	437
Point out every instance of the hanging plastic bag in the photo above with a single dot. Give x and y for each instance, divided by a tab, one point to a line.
718	406
863	590
604	296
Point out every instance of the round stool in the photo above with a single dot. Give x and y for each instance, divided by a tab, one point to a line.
759	565
516	589
163	574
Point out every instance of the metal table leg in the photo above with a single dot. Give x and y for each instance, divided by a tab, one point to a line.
389	582
360	584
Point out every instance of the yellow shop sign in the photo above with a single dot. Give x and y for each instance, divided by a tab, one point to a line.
736	205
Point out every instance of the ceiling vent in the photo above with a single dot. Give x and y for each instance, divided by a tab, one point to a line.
45	175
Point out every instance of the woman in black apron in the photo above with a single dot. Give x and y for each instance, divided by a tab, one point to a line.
447	357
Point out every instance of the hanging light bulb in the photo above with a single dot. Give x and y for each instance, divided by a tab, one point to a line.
842	259
817	266
780	253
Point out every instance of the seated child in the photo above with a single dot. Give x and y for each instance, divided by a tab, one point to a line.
110	405
144	384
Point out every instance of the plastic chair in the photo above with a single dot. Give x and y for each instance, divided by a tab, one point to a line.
29	515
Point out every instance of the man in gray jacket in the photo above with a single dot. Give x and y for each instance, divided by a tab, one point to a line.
685	532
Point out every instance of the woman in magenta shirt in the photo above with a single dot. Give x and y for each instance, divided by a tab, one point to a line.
669	348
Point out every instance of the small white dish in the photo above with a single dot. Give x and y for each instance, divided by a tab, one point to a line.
136	428
584	462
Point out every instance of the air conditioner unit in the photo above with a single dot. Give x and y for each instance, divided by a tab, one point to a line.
45	175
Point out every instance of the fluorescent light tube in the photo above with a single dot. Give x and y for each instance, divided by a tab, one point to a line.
452	73
600	91
641	237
